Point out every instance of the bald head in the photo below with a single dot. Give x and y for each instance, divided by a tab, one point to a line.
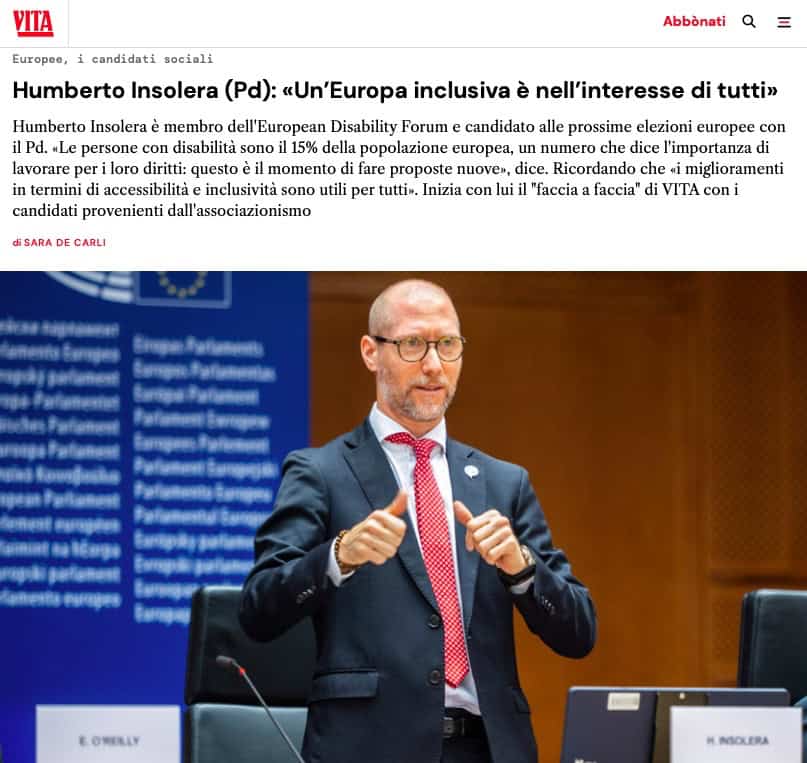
404	296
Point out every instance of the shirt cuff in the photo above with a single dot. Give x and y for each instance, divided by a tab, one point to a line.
334	573
522	587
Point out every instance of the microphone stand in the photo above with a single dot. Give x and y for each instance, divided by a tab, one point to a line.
230	663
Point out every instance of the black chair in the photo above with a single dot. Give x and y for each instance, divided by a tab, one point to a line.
773	641
223	721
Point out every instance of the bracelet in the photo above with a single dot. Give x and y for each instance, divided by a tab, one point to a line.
344	568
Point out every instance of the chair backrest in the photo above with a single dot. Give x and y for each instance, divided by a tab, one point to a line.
281	669
773	641
229	733
221	721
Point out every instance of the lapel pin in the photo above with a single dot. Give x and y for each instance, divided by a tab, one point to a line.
471	471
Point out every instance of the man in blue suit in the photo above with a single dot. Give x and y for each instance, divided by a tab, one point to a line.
409	550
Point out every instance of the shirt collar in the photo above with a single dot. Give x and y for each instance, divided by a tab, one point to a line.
383	426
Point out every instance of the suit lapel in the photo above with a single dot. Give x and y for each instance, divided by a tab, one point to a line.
371	468
468	487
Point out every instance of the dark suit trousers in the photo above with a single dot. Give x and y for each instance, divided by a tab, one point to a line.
465	750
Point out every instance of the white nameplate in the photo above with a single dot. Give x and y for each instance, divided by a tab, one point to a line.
624	700
735	735
107	733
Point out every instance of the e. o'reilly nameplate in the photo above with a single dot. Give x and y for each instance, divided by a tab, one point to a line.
107	733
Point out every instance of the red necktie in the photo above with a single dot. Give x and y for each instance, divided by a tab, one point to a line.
435	540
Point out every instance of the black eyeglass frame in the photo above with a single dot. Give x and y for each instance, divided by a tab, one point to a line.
429	343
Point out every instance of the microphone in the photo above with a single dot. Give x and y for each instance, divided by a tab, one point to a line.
229	663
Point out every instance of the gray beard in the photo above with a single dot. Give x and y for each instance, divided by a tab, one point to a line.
406	406
424	412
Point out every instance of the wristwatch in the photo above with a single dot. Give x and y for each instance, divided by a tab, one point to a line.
525	574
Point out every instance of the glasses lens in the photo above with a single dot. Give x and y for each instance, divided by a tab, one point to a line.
449	347
412	347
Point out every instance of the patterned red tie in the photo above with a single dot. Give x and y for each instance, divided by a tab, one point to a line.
435	541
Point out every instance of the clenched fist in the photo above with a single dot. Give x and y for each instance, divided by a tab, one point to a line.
376	538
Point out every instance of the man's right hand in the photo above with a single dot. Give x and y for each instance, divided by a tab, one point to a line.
376	538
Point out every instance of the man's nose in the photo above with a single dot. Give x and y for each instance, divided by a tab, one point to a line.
431	362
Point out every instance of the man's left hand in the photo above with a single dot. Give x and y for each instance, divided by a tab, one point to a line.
491	535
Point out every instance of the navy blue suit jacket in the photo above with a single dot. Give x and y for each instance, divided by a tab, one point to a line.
378	691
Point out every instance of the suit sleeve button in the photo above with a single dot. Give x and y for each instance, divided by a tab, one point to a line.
434	620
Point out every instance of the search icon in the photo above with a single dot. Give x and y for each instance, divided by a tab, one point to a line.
748	20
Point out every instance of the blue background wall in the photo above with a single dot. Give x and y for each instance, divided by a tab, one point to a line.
169	399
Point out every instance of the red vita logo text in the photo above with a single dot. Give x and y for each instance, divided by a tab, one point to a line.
33	23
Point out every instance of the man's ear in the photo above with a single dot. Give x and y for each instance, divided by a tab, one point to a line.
369	353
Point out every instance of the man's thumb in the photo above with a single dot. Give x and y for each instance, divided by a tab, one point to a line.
398	506
462	513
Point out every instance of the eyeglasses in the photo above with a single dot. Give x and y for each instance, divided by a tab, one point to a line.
414	348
